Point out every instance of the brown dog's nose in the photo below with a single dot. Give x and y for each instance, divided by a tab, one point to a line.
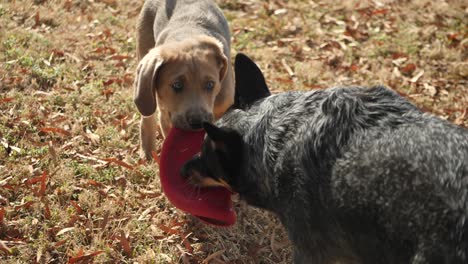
195	119
196	125
195	122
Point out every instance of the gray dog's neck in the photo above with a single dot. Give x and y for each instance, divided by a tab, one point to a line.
292	134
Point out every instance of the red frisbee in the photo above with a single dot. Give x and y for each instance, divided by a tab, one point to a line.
211	205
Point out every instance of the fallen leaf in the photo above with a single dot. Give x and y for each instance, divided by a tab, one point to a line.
4	247
155	157
55	130
107	92
396	73
399	61
23	205
283	80
77	257
287	68
53	152
169	230
77	207
119	162
187	244
125	243
354	67
65	230
95	183
408	69
119	57
417	76
431	90
37	19
382	11
254	249
356	34
95	138
41	179
397	55
60	243
313	86
109	2
108	82
2	215
91	158
6	99
145	213
39	255
81	258
43	186
58	53
213	256
184	256
47	211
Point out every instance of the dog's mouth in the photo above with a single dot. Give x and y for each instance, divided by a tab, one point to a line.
197	126
189	123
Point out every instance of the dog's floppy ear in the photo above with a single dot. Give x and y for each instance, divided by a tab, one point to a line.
144	95
250	83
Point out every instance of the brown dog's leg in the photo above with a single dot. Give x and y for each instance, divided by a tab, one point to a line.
165	122
145	35
148	131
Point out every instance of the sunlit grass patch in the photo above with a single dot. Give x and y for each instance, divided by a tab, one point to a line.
66	110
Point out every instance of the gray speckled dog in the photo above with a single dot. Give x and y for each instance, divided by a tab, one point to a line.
356	175
184	69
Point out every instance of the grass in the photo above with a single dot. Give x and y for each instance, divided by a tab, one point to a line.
72	187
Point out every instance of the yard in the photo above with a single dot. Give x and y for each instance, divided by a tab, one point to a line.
72	186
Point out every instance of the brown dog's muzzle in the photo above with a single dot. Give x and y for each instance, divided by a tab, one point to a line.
196	117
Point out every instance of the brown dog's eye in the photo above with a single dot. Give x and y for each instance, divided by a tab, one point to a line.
177	86
210	85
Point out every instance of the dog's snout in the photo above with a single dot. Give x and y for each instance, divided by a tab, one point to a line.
195	124
195	119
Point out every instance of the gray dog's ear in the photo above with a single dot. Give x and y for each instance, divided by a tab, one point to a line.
250	83
144	95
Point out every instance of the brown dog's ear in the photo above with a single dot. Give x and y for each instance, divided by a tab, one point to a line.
221	59
223	63
144	95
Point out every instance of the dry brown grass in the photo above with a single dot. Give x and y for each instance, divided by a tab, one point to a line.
72	188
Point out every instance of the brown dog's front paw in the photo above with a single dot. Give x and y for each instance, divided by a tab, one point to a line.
152	153
146	155
149	138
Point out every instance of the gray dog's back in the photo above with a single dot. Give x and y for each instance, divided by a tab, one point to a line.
359	174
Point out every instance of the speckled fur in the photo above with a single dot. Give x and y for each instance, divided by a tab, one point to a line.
356	175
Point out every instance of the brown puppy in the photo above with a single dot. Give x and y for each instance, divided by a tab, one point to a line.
184	72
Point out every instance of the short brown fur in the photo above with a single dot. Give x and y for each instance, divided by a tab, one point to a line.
192	60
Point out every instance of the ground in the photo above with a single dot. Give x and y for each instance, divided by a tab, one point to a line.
72	186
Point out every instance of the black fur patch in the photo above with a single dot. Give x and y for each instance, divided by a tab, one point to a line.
356	175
